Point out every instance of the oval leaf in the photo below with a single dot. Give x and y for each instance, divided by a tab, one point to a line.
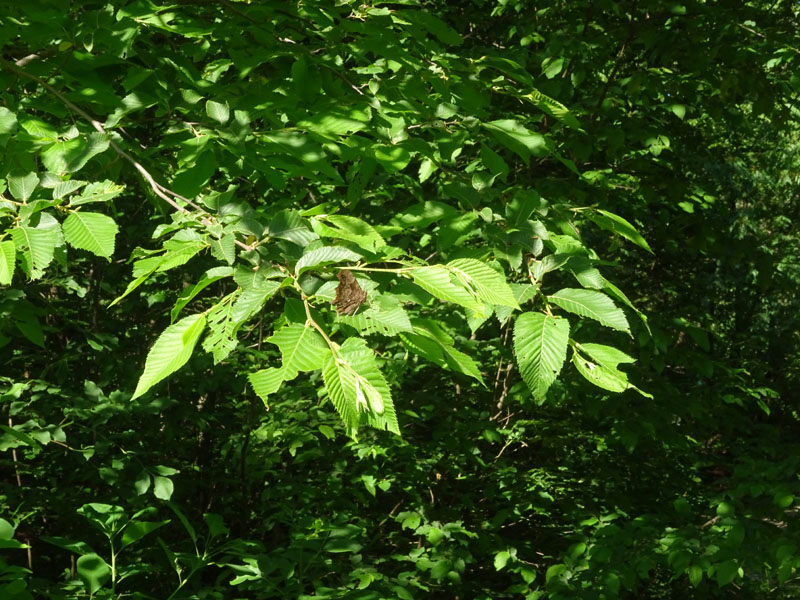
91	231
324	256
36	246
489	285
7	256
592	304
616	224
302	348
266	381
22	186
218	111
171	351
93	571
163	487
540	345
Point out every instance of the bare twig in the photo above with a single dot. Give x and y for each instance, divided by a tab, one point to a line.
762	36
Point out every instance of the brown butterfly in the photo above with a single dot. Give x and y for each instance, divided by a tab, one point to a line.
349	295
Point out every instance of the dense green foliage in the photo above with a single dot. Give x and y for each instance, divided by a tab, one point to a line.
486	299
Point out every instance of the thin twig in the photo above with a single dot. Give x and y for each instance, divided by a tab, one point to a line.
762	36
310	321
504	393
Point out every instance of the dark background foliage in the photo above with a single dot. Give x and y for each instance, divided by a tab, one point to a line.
688	129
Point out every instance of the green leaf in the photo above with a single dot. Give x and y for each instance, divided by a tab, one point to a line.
39	129
302	148
72	155
726	572
423	215
93	571
489	285
80	548
357	388
142	483
592	304
177	253
501	559
8	125
267	381
433	24
289	225
604	373
163	487
7	537
540	345
36	246
554	571
305	80
336	122
494	162
224	248
99	191
171	351
230	313
136	530
24	316
191	179
695	575
64	188
600	375
586	274
132	286
523	292
440	353
616	224
7	257
250	301
325	256
22	186
392	158
552	66
619	295
605	355
351	229
518	139
384	316
18	435
221	339
188	294
252	279
553	108
94	232
302	347
218	111
438	281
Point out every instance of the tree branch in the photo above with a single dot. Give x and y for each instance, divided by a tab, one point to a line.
159	190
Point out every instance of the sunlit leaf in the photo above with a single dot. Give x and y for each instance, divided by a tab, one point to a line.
218	111
7	258
540	345
518	138
171	351
302	347
94	232
325	256
22	186
357	388
592	304
615	223
35	246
